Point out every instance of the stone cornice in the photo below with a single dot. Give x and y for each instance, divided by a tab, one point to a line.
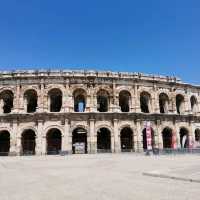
34	117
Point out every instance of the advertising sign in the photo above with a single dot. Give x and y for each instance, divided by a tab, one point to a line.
148	136
173	140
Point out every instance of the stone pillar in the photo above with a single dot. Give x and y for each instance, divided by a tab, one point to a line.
155	102
135	141
139	136
70	102
21	101
187	105
176	131
13	139
158	135
18	141
65	139
132	101
112	142
39	139
40	107
16	103
93	139
191	135
137	100
173	104
1	106
95	103
25	105
116	136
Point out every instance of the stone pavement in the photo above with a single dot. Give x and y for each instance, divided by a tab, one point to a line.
99	177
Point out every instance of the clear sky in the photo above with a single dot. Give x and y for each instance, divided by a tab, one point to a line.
150	36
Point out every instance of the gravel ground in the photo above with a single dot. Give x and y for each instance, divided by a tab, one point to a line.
99	177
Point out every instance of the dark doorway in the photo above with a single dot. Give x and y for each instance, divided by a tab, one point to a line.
194	104
55	96
103	140
126	137
197	135
124	101
31	99
28	142
184	138
102	101
79	141
145	102
167	138
54	141
4	143
7	97
180	104
79	100
163	103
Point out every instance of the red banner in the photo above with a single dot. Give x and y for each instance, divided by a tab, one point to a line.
148	136
173	140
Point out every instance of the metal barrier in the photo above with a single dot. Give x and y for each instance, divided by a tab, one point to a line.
178	151
27	153
4	153
104	151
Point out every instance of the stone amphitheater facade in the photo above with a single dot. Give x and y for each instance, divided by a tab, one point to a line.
50	111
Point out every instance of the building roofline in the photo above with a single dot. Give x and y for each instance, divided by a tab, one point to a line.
95	73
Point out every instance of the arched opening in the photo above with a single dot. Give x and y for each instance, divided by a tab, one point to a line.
184	138
126	138
30	97
55	100
145	98
6	98
102	101
79	100
197	138
194	104
4	143
79	141
167	137
124	101
54	141
180	104
103	140
144	136
28	142
163	103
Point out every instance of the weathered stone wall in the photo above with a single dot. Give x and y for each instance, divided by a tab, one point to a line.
91	120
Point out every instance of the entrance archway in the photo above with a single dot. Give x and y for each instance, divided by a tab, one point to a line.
103	140
144	136
54	141
6	99
145	102
4	143
28	142
167	137
30	96
184	138
79	141
126	138
55	100
103	101
124	101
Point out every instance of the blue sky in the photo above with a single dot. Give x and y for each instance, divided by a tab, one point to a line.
150	36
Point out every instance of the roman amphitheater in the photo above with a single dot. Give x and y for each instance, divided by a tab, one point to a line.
75	111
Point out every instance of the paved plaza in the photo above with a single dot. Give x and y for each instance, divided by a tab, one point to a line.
100	177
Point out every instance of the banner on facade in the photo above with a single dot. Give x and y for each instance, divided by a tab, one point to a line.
148	136
173	140
190	142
